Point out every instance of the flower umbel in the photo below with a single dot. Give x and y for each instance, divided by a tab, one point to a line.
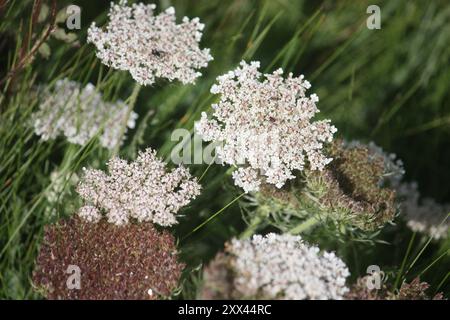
150	46
115	262
415	290
393	166
275	267
264	123
424	215
143	190
355	192
352	193
79	113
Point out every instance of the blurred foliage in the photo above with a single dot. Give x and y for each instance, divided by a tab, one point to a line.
389	86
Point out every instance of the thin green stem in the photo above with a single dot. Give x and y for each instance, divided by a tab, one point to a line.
423	249
206	170
131	103
305	225
213	216
442	282
252	227
434	262
399	275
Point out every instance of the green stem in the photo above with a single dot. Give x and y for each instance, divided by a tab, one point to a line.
230	170
213	216
305	225
206	170
252	227
131	103
405	258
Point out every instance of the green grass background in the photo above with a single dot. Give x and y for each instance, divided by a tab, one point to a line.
390	86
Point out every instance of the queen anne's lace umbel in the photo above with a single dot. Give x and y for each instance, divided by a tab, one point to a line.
143	190
79	113
282	266
150	46
265	126
424	215
131	262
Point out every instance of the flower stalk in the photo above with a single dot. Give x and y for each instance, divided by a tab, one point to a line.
131	103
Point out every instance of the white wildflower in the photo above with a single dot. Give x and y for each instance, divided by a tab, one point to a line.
90	214
141	190
424	215
150	46
283	266
58	189
265	125
246	178
80	114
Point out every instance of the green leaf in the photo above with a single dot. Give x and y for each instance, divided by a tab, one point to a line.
45	51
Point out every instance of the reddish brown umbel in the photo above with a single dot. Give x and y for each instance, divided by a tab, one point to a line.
415	290
134	261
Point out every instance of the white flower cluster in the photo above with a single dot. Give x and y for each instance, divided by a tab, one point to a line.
424	215
58	188
265	126
282	266
141	190
150	46
80	114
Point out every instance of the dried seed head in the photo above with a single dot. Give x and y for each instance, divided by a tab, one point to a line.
393	166
114	262
423	215
415	290
350	192
354	191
